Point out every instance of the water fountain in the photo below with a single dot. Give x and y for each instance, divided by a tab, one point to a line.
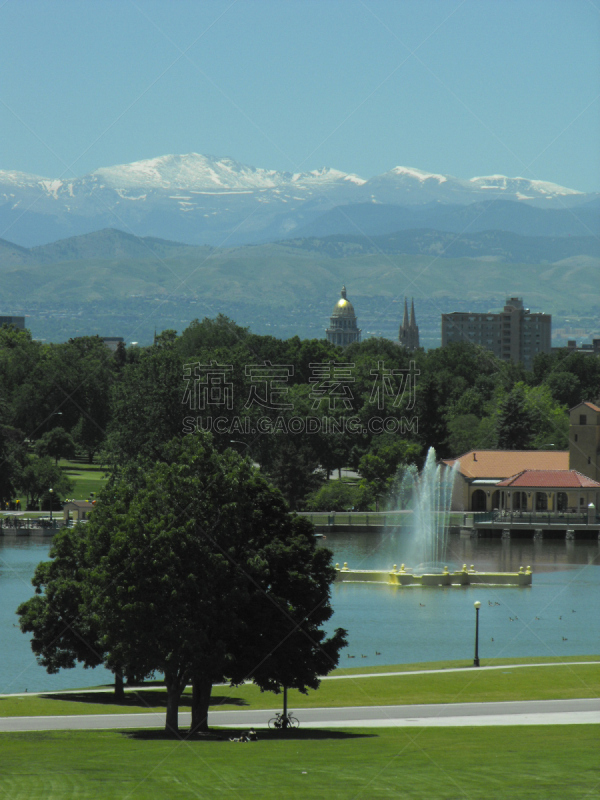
428	495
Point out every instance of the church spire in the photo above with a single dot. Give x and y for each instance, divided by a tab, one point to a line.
408	335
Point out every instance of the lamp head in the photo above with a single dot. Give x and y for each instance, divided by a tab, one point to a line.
477	604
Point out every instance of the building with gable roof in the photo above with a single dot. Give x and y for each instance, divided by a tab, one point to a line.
506	479
548	490
479	472
584	439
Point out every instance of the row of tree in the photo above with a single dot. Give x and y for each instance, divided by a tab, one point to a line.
219	376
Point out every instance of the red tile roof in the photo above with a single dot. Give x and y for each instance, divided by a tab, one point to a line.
551	478
589	405
504	463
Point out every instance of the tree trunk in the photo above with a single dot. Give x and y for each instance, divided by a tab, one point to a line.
119	691
173	695
201	691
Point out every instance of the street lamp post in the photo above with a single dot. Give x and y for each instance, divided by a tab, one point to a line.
477	605
239	441
51	493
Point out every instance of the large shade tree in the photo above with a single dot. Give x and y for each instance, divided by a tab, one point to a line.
201	574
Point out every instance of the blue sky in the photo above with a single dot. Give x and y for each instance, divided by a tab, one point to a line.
464	88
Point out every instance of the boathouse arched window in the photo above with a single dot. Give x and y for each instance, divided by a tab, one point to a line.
541	501
519	501
561	501
478	500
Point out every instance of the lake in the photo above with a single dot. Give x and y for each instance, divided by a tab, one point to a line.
557	616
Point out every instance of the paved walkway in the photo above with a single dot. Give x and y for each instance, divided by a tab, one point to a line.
453	669
533	712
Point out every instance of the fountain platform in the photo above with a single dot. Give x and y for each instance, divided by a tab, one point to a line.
406	577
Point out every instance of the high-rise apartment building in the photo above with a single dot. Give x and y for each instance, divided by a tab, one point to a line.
515	334
16	322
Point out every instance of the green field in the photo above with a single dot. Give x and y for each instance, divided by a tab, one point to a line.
471	686
87	478
507	763
482	763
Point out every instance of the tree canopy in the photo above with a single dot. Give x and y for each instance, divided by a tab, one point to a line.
198	573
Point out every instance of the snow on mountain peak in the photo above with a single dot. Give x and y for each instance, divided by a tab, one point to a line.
190	171
419	174
196	172
521	186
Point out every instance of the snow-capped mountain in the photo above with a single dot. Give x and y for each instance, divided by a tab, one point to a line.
522	188
204	199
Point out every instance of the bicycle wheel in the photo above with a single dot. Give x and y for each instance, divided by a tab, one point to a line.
292	722
274	723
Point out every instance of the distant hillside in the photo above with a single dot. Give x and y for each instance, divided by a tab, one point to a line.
108	244
13	254
488	245
373	219
114	245
294	275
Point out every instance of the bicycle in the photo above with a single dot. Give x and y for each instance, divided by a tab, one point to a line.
283	721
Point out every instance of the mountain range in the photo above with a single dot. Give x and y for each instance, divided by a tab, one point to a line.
199	199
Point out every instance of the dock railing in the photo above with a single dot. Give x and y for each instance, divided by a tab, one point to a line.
533	518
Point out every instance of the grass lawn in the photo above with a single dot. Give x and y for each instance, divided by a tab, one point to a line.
86	477
472	686
507	763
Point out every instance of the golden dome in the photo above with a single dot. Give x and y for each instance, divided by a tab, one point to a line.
343	307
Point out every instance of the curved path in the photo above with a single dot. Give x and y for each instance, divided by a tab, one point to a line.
532	712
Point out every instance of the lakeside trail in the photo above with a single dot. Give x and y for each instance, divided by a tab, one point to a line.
532	712
350	676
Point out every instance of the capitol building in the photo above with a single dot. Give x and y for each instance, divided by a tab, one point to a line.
343	328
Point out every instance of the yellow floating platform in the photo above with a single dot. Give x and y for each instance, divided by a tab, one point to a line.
405	577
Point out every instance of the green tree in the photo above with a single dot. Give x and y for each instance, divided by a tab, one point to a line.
38	476
210	334
56	443
193	570
565	388
147	406
550	420
339	496
515	423
463	433
13	456
379	467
